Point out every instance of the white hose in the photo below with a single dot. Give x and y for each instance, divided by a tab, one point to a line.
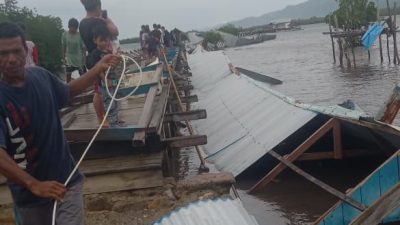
113	98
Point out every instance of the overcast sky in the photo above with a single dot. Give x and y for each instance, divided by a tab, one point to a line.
183	14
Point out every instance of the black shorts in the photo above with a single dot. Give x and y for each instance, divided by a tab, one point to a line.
70	69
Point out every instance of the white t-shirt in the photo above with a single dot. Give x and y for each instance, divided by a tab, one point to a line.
29	56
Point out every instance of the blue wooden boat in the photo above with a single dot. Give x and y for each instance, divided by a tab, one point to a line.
368	192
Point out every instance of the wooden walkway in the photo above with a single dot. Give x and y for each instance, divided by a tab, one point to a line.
81	123
121	173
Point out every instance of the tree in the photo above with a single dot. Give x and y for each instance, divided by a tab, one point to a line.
212	37
230	29
45	31
353	14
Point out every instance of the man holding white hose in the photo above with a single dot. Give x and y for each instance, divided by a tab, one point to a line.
34	154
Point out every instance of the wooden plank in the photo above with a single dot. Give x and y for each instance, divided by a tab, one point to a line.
123	182
186	141
337	141
347	153
159	109
317	182
121	164
67	120
316	156
140	136
185	99
294	155
183	116
106	134
380	209
185	87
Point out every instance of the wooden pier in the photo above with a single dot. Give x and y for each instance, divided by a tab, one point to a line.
140	154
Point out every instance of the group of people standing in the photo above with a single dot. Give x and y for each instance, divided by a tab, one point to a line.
82	50
153	40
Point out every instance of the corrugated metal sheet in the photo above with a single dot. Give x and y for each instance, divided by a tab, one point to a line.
245	118
211	212
244	121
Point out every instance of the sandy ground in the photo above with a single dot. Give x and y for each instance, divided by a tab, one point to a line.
141	207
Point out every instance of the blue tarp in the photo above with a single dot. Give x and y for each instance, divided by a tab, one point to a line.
371	35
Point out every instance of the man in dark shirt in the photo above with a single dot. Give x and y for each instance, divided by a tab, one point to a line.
93	19
34	154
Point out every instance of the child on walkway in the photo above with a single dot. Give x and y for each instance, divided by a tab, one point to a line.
102	39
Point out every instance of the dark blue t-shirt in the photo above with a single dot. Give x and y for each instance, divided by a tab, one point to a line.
31	131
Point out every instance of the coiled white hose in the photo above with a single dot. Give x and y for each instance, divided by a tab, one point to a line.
113	98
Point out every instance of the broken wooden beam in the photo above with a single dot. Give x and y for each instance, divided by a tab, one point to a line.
186	141
140	137
186	99
183	116
294	155
392	106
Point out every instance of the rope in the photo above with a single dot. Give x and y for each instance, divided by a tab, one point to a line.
113	98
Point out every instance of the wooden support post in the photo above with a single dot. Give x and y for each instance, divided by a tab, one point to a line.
340	43
388	48
294	155
188	124
396	51
333	43
337	141
317	182
183	116
380	47
186	141
140	137
352	50
380	209
187	100
185	87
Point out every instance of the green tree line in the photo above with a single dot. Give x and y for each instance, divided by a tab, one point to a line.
44	31
353	14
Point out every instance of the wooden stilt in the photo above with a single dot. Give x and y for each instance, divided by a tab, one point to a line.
388	48
333	43
396	51
340	43
294	155
380	48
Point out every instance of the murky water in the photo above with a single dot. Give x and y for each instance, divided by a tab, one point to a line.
303	60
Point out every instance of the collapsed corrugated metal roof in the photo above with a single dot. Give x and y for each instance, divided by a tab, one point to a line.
209	212
246	119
